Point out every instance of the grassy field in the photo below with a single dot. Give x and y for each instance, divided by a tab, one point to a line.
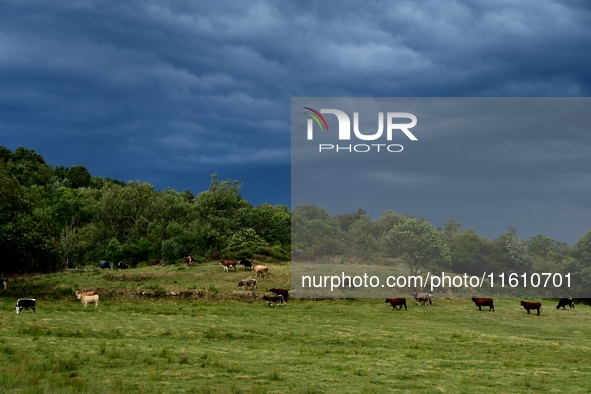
212	337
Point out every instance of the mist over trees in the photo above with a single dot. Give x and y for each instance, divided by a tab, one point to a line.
53	217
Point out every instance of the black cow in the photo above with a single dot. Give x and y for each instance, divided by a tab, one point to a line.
247	264
273	299
564	302
122	265
104	265
25	303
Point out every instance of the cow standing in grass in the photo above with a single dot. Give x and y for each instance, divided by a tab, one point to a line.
228	264
246	283
423	298
247	264
84	299
564	302
282	292
531	305
480	302
261	270
23	303
397	302
277	299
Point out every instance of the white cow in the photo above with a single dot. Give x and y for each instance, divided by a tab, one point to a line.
86	299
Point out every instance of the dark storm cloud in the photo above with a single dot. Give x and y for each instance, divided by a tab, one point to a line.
488	162
171	91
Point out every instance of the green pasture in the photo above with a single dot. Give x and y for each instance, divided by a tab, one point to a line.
215	338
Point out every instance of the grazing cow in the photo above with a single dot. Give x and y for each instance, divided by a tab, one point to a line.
281	292
189	260
3	282
247	264
423	298
104	265
22	303
397	302
273	299
252	283
227	264
531	305
260	270
564	302
480	302
84	299
122	265
86	293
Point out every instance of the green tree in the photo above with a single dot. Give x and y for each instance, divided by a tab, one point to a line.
78	176
363	236
29	168
545	247
420	244
579	265
27	239
346	220
470	253
272	223
218	209
313	226
114	251
170	250
511	251
451	228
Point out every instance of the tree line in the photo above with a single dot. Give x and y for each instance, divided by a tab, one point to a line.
317	235
53	217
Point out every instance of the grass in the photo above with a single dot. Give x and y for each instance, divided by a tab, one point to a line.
221	342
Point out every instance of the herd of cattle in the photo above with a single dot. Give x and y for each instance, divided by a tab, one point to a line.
280	295
426	298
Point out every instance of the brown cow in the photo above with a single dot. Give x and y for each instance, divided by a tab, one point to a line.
227	264
531	305
85	293
397	302
480	302
281	292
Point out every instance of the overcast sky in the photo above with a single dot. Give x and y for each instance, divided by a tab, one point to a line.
487	162
168	92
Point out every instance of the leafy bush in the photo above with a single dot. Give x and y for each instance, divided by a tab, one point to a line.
249	249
